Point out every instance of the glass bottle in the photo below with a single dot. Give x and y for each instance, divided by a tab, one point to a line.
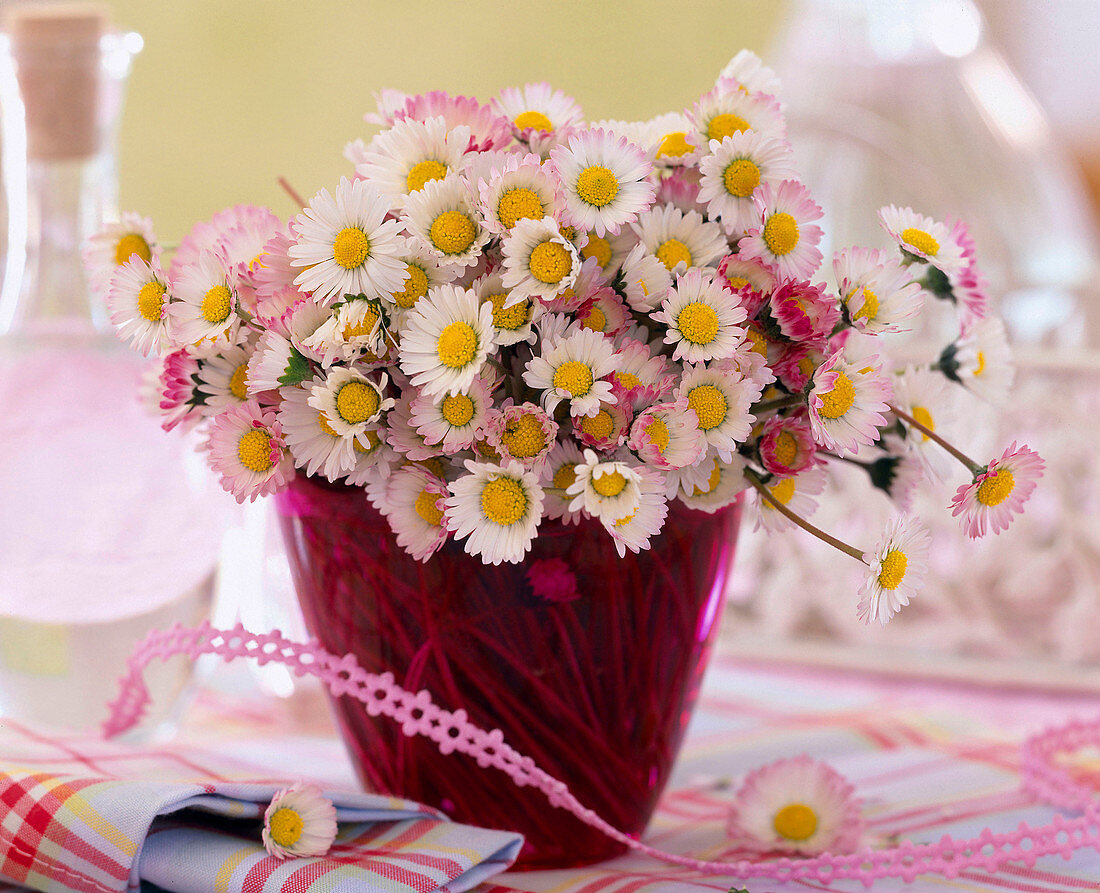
106	530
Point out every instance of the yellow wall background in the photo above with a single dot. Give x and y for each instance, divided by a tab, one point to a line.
228	95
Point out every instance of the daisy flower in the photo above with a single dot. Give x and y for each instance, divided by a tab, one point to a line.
608	250
558	476
665	139
711	485
346	245
727	109
540	115
720	396
605	312
488	130
574	369
357	329
923	238
447	337
350	401
877	291
399	161
997	492
923	395
114	245
522	433
206	301
442	216
454	422
299	822
646	280
496	509
679	240
634	531
796	493
403	436
512	320
604	430
804	312
414	507
899	477
274	363
246	449
701	318
223	378
606	489
733	170
604	181
312	441
983	360
787	241
667	435
895	569
373	459
787	445
642	377
749	70
422	273
750	280
846	404
519	189
969	286
137	298
680	187
539	261
299	324
796	805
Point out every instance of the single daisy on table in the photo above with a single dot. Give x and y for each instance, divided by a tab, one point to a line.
896	568
727	109
634	530
982	360
454	422
878	292
442	216
605	489
312	441
523	433
541	116
400	160
710	485
795	492
720	396
787	240
539	262
847	402
414	506
350	401
604	181
247	450
520	189
300	821
114	245
998	491
796	805
496	509
137	300
680	240
558	476
702	319
923	238
733	170
667	435
346	245
446	340
206	302
574	368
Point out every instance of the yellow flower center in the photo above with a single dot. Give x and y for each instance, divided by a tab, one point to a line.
709	404
806	367
785	448
286	827
565	476
427	509
783	491
519	204
698	322
573	377
741	177
712	481
452	232
131	244
534	119
503	501
433	465
323	424
737	282
599	248
869	310
892	569
672	252
508	318
457	344
595	319
216	304
363	328
416	286
457	410
550	262
422	172
598	426
597	186
524	437
151	301
351	248
628	380
923	417
373	440
796	821
609	484
919	239
759	343
675	144
238	382
657	431
781	233
254	450
356	402
996	488
724	125
840	399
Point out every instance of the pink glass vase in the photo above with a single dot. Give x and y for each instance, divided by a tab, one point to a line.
588	663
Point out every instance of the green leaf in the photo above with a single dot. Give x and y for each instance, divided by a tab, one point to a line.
298	369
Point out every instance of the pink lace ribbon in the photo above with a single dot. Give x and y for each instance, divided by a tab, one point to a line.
452	731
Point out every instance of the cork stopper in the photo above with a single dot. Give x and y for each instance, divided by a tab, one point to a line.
55	47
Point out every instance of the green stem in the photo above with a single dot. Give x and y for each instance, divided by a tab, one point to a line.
974	467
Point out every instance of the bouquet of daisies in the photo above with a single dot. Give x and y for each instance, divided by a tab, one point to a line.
506	315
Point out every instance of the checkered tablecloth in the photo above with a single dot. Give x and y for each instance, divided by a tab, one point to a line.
927	758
